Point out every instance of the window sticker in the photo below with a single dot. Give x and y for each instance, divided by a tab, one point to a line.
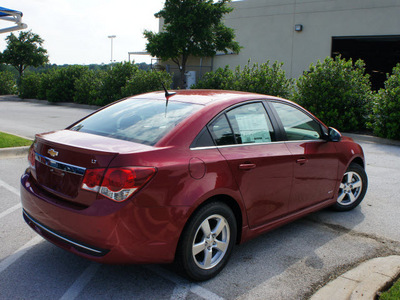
252	128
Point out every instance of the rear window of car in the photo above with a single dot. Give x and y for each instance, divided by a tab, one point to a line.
137	120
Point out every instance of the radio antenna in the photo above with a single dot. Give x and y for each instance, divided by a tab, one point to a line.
167	94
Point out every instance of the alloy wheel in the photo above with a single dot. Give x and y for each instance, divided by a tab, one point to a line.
211	242
350	188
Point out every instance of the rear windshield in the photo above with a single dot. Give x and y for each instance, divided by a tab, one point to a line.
137	120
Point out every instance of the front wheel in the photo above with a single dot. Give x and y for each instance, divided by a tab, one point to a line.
207	241
352	189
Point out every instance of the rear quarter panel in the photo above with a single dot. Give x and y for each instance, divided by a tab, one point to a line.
174	185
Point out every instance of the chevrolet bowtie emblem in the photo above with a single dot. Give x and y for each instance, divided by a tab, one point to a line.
52	152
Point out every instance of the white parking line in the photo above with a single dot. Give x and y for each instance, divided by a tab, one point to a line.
10	210
14	191
183	286
4	264
9	187
181	290
81	282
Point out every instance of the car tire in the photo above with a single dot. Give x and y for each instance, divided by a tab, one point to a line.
352	188
207	241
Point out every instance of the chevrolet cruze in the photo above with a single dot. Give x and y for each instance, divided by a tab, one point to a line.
185	176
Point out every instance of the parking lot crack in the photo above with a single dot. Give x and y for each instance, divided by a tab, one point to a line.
391	245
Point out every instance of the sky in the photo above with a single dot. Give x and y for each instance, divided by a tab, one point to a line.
76	31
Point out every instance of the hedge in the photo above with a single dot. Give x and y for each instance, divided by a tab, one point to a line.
98	87
264	79
336	90
385	117
8	84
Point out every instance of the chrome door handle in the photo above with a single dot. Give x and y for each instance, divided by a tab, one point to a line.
247	166
302	161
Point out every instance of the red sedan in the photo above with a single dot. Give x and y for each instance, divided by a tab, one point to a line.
153	179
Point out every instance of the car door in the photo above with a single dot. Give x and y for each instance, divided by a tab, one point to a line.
261	167
315	172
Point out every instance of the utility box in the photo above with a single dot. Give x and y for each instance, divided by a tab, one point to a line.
190	77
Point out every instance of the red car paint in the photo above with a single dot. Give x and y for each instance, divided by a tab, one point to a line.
266	185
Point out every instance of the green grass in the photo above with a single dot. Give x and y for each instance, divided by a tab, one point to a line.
393	293
9	140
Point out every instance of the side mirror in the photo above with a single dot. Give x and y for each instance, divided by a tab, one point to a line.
334	135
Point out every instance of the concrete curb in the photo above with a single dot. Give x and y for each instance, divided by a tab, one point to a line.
14	152
362	282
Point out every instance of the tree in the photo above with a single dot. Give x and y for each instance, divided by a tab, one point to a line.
24	51
191	28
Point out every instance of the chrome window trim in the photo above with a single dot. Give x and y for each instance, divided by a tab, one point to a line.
236	145
204	148
55	164
255	144
252	144
61	237
306	141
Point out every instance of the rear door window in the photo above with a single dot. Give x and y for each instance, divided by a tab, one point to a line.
251	124
222	131
245	124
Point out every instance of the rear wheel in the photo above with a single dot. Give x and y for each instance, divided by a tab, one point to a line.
352	189
207	241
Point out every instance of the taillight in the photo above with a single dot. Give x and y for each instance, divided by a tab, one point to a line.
92	179
117	183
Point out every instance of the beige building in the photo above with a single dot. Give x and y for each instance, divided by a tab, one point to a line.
300	32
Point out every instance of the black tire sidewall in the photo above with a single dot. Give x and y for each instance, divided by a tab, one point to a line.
184	254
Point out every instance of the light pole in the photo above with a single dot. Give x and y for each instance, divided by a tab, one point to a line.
111	37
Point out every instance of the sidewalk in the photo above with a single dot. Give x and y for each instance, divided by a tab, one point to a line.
363	282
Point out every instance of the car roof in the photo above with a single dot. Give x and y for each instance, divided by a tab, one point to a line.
203	97
213	102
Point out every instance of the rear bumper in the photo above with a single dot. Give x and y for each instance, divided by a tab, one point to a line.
59	239
106	232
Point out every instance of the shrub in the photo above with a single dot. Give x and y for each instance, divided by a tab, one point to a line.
385	120
115	80
45	82
337	91
146	81
219	79
8	84
29	86
264	79
98	87
89	86
62	83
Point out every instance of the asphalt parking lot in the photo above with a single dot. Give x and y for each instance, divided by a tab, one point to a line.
288	263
